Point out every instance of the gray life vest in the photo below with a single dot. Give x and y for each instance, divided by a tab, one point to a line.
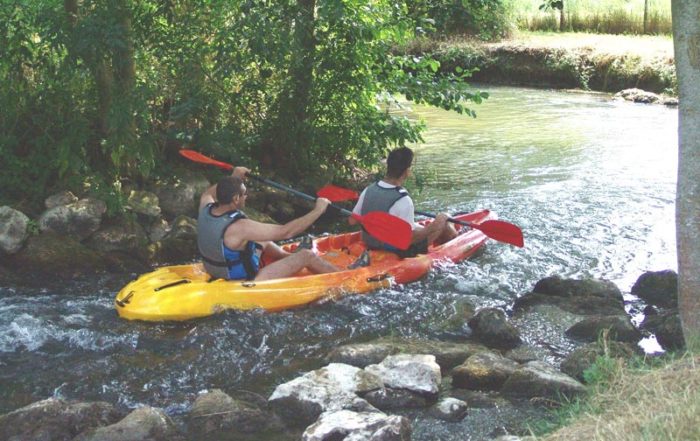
219	261
379	198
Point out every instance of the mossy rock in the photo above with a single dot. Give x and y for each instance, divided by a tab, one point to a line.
58	256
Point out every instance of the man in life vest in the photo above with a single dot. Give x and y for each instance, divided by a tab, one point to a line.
231	245
389	196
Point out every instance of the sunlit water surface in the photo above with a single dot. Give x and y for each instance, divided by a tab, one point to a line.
590	181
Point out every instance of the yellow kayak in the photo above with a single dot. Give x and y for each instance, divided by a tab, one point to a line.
184	292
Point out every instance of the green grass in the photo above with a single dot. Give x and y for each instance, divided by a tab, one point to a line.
599	16
639	399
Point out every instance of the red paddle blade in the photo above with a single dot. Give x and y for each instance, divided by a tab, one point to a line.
202	159
337	194
501	231
387	228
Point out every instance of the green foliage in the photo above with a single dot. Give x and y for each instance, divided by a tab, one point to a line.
485	19
98	93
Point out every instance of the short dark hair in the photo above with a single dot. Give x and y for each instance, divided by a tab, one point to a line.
227	188
399	161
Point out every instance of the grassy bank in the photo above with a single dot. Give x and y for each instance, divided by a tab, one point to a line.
657	400
607	63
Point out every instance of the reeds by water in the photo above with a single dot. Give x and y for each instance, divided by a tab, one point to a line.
599	16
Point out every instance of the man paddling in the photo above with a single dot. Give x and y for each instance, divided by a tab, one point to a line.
388	195
231	245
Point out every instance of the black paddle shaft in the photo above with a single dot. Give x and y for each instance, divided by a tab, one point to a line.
449	219
308	197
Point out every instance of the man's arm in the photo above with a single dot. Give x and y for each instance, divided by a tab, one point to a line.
358	208
209	196
247	229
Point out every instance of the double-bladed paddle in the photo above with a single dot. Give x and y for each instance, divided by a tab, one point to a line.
384	226
495	229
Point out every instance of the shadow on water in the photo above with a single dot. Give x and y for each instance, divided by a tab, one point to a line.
590	181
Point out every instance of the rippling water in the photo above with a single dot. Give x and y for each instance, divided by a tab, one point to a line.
590	181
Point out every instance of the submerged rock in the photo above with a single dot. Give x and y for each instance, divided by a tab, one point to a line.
358	426
491	326
582	297
54	419
449	409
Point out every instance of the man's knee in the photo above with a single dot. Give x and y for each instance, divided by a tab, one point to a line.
306	254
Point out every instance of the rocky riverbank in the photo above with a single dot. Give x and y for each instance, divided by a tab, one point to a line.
376	390
75	236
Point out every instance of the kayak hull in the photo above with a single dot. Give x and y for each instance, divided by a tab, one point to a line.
184	292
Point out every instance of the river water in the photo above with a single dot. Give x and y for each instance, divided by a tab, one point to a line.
591	182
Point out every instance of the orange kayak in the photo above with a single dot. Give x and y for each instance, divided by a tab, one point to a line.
184	292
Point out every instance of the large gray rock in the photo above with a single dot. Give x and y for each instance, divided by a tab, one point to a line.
582	297
334	387
447	354
483	371
491	327
416	373
55	420
616	327
539	379
667	328
658	288
58	199
127	237
58	256
179	244
638	96
143	424
363	426
14	229
216	415
78	220
181	197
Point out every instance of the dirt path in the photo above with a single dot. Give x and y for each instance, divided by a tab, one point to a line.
646	47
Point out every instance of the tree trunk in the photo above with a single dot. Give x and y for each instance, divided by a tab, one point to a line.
562	18
293	127
686	37
645	29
